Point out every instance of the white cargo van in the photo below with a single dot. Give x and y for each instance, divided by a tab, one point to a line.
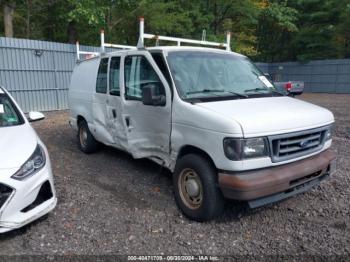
208	115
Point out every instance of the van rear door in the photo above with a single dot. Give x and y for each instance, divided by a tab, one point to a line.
147	127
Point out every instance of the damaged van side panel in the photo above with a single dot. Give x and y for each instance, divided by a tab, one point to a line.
148	127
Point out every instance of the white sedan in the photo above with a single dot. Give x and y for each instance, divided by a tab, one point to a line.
26	182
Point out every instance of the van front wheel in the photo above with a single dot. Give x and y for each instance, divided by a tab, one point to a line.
195	186
87	143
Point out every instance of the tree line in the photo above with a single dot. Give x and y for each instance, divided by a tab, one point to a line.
265	30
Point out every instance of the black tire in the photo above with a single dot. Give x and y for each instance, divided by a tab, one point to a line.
211	203
86	142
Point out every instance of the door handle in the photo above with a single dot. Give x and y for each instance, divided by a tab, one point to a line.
128	124
127	121
114	113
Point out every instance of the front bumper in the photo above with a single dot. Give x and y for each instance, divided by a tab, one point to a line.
272	184
29	200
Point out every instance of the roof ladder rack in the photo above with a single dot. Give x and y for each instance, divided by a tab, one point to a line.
103	47
144	36
89	54
103	44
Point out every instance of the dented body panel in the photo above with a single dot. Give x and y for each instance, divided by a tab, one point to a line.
161	133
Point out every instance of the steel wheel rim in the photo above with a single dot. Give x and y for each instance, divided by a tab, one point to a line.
190	188
83	136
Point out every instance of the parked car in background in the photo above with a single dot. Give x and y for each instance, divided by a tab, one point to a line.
210	116
26	182
292	88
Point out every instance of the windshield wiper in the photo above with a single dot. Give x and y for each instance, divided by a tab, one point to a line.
216	90
237	94
258	89
280	93
204	91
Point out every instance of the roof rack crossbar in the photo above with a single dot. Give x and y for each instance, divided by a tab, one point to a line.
104	44
178	40
120	46
84	52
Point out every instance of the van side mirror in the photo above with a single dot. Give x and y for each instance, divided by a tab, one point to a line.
35	116
150	98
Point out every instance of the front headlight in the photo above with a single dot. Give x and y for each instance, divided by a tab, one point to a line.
240	148
329	132
34	164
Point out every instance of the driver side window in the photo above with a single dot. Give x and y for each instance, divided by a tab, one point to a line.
114	87
138	72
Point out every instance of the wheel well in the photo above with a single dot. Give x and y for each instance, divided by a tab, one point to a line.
79	119
194	150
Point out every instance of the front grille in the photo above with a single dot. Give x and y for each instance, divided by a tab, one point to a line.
5	193
293	145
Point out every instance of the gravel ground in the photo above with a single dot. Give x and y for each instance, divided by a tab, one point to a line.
110	203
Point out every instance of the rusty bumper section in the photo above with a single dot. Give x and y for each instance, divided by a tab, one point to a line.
268	185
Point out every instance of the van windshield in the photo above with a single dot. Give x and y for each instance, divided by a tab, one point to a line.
199	74
9	115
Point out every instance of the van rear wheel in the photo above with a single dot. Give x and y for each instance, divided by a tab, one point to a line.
195	187
87	143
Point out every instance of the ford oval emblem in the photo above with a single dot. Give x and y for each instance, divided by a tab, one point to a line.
304	143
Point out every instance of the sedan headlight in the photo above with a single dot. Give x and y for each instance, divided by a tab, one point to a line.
239	148
34	164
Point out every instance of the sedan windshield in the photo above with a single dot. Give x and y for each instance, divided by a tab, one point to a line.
9	115
203	75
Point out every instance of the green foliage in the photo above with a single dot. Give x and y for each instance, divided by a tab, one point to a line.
238	17
277	22
283	16
317	29
86	11
266	30
343	31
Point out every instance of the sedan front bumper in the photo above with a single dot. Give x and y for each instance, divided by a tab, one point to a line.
29	199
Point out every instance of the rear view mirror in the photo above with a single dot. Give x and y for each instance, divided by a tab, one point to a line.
35	116
150	98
